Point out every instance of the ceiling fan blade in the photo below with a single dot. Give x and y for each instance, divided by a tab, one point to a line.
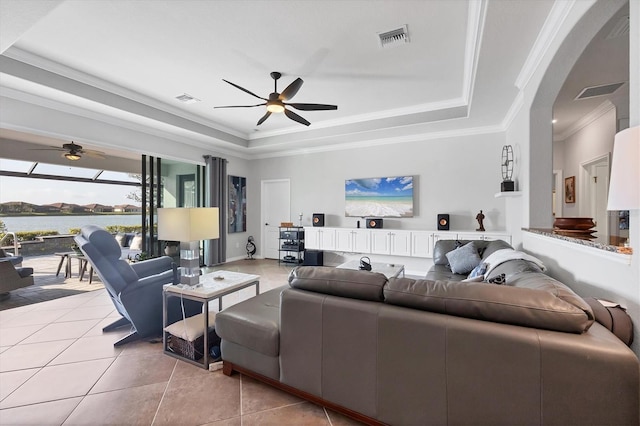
312	107
48	149
295	117
264	117
291	89
240	106
244	90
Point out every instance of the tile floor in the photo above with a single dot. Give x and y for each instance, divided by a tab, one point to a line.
57	367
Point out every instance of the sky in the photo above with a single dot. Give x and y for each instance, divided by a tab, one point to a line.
43	191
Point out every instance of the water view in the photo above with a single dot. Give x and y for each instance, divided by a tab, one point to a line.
62	224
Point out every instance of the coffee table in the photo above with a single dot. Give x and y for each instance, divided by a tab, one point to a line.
212	286
389	270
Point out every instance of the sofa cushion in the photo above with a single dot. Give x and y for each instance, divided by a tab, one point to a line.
253	323
463	259
351	283
529	307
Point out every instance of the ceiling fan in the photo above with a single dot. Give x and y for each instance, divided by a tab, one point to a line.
73	151
276	102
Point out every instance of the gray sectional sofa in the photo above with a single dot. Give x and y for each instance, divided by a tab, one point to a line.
436	352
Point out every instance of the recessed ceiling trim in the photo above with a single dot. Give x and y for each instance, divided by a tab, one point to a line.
554	22
82	78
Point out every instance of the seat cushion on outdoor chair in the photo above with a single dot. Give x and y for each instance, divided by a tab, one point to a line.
24	272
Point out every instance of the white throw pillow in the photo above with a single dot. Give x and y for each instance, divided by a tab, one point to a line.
190	328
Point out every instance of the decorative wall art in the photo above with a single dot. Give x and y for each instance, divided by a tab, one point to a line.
570	190
237	204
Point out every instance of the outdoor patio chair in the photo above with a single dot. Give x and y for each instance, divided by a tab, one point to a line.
135	289
13	278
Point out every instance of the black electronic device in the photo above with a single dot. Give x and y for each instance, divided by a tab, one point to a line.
313	258
443	222
292	245
365	264
292	235
374	223
318	219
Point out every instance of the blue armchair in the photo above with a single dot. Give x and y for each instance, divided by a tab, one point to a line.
135	289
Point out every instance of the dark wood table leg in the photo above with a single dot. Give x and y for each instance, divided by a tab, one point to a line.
83	268
67	269
60	265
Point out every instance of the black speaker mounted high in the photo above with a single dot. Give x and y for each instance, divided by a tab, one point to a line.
443	222
318	219
374	223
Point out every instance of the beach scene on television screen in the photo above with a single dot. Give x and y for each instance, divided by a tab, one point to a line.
379	197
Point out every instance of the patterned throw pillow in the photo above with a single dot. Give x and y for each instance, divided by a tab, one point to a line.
463	259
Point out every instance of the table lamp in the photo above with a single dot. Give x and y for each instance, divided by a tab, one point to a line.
189	226
624	191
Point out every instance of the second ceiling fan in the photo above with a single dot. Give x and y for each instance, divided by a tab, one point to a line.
276	101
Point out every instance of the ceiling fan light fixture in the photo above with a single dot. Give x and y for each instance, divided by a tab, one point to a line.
275	107
72	156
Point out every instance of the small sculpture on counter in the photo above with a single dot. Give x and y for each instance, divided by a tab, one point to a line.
480	218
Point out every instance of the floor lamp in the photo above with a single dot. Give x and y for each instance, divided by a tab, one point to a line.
189	226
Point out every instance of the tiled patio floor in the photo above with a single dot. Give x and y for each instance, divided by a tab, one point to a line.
46	285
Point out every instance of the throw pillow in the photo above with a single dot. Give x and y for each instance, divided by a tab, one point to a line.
478	270
463	259
191	328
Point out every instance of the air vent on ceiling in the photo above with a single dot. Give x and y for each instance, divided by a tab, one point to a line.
619	29
394	37
187	99
593	91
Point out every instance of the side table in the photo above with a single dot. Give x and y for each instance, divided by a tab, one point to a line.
212	286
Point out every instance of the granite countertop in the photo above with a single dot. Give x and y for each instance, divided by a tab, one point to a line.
585	242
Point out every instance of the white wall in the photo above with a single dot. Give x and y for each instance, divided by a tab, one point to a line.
459	176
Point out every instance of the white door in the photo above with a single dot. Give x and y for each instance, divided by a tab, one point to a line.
276	208
600	198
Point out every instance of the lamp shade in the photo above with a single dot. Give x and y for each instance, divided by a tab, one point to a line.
624	185
188	224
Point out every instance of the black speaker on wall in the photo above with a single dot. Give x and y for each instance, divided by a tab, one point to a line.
374	223
443	222
318	219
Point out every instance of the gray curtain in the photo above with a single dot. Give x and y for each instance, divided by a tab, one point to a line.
215	251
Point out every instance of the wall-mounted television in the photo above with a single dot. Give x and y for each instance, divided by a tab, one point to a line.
379	197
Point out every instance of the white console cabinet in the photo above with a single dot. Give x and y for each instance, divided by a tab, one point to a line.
353	240
388	241
393	242
421	243
320	238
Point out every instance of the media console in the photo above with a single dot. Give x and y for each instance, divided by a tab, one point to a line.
393	242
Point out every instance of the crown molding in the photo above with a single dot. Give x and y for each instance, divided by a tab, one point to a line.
559	12
586	120
475	28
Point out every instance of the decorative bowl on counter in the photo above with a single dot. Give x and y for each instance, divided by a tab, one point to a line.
574	223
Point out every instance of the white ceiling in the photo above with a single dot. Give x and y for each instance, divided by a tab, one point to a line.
128	60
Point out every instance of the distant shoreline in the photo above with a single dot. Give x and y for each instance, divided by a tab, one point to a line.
72	214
